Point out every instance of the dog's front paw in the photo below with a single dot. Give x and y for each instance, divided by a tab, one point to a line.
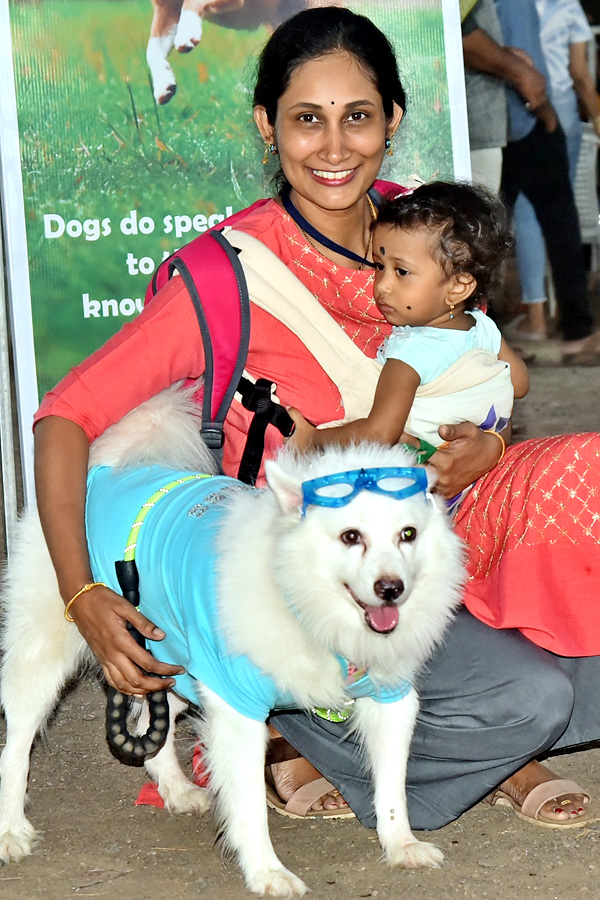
17	842
163	83
413	855
186	798
276	883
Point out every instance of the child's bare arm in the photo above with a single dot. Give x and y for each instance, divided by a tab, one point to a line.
394	397
518	370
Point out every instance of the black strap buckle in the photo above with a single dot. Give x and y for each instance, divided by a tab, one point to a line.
257	398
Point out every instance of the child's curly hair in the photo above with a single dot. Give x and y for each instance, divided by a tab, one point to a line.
469	229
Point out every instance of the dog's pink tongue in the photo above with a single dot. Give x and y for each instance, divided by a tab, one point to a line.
382	618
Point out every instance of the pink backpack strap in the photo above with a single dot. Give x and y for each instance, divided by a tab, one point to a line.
163	274
216	284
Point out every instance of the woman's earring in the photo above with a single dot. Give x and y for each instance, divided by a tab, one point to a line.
269	148
451	310
389	146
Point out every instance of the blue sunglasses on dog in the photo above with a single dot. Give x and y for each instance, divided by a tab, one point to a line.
341	487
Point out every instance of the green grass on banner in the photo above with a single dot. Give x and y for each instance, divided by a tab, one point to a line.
95	144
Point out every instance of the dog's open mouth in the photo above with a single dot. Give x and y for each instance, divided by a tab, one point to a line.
382	619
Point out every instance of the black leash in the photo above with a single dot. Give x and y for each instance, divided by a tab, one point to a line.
130	749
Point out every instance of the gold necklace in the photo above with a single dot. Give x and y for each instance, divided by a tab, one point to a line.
373	212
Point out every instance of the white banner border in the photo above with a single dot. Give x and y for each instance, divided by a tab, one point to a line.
16	256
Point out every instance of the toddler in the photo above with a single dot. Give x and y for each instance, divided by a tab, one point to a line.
437	252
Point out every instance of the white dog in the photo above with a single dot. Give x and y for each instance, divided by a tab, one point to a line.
341	561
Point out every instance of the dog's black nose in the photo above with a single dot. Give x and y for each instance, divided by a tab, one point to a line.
389	589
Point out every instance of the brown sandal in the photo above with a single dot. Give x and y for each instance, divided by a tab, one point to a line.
530	810
299	804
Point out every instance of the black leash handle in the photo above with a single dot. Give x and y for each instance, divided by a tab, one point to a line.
132	750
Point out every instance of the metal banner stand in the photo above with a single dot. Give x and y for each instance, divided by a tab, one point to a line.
7	447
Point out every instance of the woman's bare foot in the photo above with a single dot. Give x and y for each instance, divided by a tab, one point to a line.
585	352
561	808
528	326
295	773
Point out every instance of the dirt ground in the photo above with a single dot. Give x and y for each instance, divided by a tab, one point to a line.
97	843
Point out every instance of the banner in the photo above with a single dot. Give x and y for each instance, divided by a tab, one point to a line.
114	154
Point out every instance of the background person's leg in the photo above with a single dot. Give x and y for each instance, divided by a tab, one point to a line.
530	248
530	252
537	165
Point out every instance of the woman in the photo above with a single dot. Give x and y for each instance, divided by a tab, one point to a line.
328	101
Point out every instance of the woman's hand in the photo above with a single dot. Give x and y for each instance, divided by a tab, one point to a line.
102	616
61	460
467	455
303	436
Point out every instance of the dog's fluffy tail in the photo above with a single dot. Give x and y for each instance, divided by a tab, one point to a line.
163	431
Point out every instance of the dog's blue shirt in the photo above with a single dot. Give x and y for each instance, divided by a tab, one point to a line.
176	561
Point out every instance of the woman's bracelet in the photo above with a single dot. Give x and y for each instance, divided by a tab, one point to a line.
500	438
83	590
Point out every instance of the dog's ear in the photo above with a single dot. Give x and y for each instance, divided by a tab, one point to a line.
287	490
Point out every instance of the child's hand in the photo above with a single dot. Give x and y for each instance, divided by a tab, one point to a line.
302	438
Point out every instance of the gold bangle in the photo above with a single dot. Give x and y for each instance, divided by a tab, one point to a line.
83	590
501	439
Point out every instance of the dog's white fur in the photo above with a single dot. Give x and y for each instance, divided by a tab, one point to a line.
271	560
178	23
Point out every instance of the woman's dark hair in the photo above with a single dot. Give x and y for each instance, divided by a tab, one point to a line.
468	226
313	33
